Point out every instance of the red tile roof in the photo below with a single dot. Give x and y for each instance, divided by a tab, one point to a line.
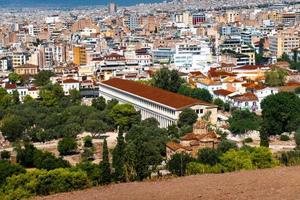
253	86
70	80
249	67
158	95
175	146
10	86
27	66
246	97
222	92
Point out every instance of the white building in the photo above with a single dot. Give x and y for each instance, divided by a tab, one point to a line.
163	105
70	84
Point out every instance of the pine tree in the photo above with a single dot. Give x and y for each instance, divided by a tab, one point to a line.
105	176
118	159
264	138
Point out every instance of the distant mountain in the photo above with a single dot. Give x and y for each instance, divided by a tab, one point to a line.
68	3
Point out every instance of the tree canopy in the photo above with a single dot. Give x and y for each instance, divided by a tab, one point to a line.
280	113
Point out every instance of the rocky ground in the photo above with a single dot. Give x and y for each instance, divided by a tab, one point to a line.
269	184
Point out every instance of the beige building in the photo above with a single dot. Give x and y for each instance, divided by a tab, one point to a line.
26	69
284	42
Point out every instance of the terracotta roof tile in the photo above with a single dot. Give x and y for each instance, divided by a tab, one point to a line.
158	95
10	86
70	80
222	92
246	97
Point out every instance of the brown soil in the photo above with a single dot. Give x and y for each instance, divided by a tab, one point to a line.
269	184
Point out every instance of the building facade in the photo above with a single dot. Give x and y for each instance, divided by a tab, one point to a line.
154	102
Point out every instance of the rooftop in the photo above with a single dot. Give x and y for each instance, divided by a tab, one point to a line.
158	95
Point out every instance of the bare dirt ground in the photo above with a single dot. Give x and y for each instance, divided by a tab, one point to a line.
269	184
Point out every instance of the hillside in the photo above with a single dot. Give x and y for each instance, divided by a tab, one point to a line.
275	184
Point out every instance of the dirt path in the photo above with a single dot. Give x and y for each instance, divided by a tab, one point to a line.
269	184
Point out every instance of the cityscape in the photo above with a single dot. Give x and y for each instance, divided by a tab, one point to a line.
187	99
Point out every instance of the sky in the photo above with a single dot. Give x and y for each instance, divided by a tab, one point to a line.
68	3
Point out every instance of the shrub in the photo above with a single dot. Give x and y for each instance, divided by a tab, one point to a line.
297	137
197	168
48	161
248	140
208	156
92	170
262	158
8	169
177	164
67	146
226	145
290	158
41	182
284	138
88	141
5	155
234	160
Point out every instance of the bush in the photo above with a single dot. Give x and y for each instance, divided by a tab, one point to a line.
67	146
284	138
41	182
290	158
208	156
88	141
48	161
8	169
177	164
226	145
262	158
197	168
297	137
5	155
248	140
234	160
92	171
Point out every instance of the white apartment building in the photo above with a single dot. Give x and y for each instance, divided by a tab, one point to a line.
153	102
70	84
192	55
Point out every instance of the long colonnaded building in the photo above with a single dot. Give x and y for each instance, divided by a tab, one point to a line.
154	102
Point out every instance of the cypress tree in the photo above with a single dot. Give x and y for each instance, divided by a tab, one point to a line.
105	176
118	159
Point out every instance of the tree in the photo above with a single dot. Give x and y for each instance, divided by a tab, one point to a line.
13	127
167	79
88	141
8	169
118	161
105	172
275	77
280	113
187	117
99	103
67	146
42	78
14	77
125	116
48	161
208	156
242	121
219	103
225	145
297	138
27	99
5	155
178	163
16	98
202	94
74	96
285	57
51	94
96	127
25	156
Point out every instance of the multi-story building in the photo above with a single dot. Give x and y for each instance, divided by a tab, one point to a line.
284	42
154	102
79	55
19	58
